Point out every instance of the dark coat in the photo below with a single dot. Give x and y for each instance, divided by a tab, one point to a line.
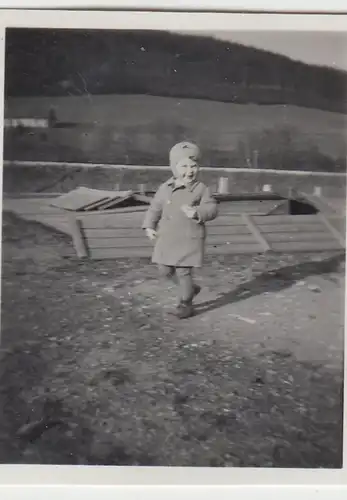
180	240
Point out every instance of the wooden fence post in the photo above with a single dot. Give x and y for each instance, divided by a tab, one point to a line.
317	191
255	159
223	185
77	237
142	188
332	229
259	237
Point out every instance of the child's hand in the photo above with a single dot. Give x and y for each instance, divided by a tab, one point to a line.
189	211
151	233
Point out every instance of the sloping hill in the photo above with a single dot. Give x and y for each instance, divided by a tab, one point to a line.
141	129
164	64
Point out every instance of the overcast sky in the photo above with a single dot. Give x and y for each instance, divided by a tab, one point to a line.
324	49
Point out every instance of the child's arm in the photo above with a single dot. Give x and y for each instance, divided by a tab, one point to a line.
207	209
154	211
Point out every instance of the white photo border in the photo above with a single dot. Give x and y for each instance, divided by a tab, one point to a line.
90	482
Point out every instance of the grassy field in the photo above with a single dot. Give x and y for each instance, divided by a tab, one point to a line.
151	124
94	356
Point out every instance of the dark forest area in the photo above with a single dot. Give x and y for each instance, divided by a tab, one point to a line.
46	62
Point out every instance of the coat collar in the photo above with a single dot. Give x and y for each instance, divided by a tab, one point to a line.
172	183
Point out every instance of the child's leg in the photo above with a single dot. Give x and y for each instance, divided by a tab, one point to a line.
187	288
168	273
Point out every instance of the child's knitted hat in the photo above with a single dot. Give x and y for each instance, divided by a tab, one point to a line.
183	150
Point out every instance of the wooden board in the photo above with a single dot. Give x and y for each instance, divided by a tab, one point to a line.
124	243
260	207
86	199
282	207
82	197
77	198
135	219
114	211
143	241
340	225
237	249
121	235
317	236
136	232
108	221
95	204
143	198
284	219
114	253
292	228
250	196
305	246
112	202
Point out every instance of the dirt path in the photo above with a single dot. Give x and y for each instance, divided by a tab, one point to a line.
254	379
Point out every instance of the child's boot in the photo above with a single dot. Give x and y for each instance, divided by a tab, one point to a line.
196	291
185	310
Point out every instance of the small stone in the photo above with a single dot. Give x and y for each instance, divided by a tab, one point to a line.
259	381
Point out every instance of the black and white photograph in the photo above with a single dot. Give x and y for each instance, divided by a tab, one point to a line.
173	247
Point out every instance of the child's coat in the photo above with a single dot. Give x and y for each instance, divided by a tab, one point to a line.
180	240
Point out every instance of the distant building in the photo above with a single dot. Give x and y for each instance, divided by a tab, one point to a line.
26	122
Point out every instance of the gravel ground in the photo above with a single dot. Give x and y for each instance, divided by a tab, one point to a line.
95	370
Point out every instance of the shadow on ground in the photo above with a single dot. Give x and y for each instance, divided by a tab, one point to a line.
273	281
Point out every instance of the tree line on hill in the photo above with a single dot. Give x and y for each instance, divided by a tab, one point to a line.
46	62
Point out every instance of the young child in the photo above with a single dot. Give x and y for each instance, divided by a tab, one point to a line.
176	220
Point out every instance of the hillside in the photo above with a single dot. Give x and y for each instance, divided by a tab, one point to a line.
214	124
141	129
163	64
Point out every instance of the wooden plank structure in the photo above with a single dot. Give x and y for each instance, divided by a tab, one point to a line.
247	224
86	199
254	204
117	236
79	198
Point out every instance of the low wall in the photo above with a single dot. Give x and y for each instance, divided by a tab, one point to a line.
62	177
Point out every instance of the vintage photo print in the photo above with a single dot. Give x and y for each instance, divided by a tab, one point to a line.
173	242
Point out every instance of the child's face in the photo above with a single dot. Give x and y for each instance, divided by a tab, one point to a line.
187	171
